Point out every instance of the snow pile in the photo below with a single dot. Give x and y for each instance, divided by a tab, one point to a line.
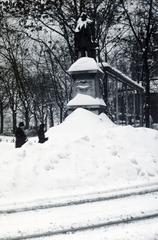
86	153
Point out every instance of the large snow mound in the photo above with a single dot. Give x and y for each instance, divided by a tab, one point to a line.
85	153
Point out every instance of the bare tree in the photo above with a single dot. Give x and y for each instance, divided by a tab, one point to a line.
142	27
13	52
3	99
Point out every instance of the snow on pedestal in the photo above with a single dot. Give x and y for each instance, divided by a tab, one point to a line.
82	100
84	64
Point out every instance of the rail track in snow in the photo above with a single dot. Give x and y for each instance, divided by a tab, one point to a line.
113	222
101	210
80	199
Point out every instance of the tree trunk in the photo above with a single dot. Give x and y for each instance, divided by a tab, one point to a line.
2	116
61	114
147	94
51	117
105	82
35	121
27	119
14	120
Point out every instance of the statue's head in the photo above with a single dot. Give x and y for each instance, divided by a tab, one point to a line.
83	16
21	125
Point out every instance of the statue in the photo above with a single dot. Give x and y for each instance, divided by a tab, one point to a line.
85	45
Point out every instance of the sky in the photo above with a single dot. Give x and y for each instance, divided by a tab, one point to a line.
85	154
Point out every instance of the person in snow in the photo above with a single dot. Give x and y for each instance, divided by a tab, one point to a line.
20	136
84	37
41	134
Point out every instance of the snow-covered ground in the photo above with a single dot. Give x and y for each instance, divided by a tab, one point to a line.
85	154
68	218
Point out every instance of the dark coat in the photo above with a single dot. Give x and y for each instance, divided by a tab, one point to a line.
20	137
41	134
83	38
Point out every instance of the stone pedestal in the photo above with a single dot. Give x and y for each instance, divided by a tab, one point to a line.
87	89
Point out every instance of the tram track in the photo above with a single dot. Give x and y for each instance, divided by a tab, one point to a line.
81	199
85	216
110	223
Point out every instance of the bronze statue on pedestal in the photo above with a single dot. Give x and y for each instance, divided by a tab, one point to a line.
85	45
